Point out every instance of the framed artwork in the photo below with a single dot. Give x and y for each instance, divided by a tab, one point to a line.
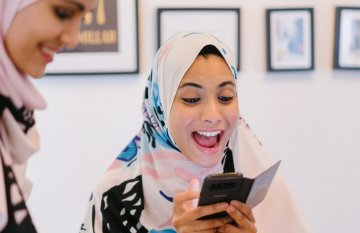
223	23
347	38
108	42
290	39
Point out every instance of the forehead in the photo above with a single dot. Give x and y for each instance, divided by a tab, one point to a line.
208	68
89	4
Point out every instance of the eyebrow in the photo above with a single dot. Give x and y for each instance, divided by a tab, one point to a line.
191	85
78	5
223	84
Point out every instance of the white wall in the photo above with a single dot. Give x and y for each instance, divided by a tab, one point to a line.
310	120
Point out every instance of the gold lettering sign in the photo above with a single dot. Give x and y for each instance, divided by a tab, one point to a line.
99	31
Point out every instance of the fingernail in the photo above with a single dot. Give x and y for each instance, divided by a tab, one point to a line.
235	202
195	202
223	205
231	208
194	185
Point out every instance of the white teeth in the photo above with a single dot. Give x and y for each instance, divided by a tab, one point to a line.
48	51
209	134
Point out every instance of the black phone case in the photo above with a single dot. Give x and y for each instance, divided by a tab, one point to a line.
224	188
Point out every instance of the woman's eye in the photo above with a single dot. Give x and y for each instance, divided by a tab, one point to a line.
63	13
191	100
226	99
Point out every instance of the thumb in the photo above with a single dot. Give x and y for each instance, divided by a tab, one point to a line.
194	185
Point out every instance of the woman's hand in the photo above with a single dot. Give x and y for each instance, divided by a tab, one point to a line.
244	221
186	214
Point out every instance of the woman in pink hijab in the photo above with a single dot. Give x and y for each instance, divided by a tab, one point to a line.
32	32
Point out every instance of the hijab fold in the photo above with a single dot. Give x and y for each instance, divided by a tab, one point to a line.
18	136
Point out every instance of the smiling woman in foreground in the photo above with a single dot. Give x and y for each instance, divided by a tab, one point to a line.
191	127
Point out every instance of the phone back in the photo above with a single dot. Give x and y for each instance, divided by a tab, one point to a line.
224	188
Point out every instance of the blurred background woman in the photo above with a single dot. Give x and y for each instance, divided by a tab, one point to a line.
32	32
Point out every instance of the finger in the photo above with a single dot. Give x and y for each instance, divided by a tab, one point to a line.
194	185
186	225
185	196
192	215
235	228
241	220
181	198
244	209
202	211
190	229
238	217
227	228
211	224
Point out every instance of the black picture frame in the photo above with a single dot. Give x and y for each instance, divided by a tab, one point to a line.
347	38
211	20
109	42
290	39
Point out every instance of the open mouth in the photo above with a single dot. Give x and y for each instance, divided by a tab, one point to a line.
208	139
48	53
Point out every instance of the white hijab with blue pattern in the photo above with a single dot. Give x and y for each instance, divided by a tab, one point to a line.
135	194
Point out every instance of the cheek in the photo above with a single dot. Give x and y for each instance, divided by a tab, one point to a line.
232	117
179	122
21	44
15	48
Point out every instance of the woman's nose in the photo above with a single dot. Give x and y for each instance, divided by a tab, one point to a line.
71	35
211	112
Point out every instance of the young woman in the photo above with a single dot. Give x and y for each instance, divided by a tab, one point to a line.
192	127
32	32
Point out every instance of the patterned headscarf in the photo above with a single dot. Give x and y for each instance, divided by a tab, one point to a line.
14	84
18	135
136	193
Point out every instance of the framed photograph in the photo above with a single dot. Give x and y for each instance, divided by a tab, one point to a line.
290	39
347	38
223	23
108	42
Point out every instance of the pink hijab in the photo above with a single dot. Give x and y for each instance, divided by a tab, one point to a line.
16	144
13	83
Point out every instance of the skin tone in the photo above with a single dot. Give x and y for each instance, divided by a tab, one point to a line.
43	29
202	118
204	112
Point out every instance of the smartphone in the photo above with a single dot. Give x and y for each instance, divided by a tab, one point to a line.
223	188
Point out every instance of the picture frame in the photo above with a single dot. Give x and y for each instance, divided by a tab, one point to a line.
210	20
109	42
290	39
347	38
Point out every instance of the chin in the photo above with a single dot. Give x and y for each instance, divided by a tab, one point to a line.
208	163
37	74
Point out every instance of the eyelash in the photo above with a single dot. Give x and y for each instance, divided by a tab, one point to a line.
62	13
191	101
226	99
222	99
